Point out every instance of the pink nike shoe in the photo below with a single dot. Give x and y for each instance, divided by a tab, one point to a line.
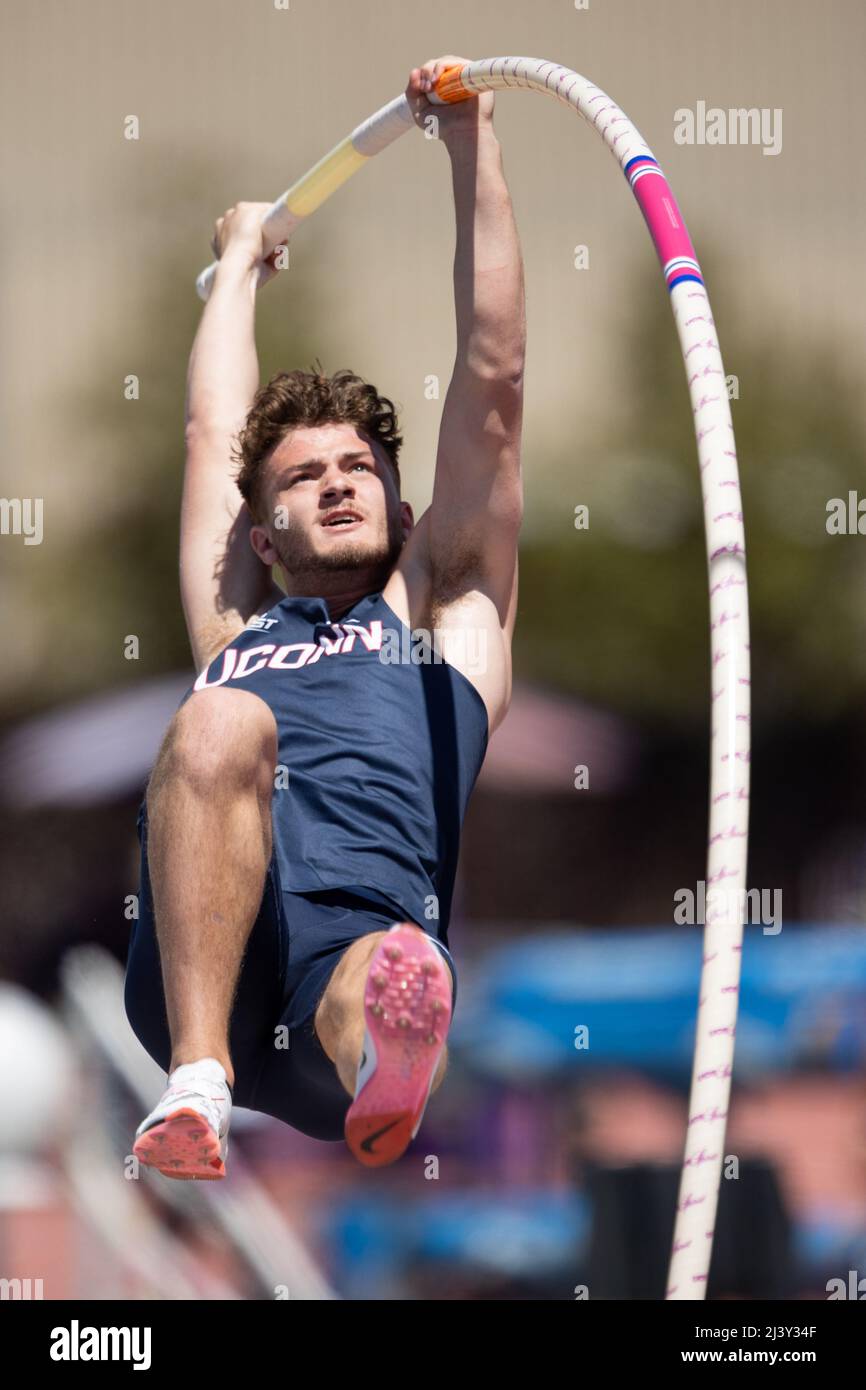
407	1014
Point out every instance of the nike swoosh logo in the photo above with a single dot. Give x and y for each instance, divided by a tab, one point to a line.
367	1144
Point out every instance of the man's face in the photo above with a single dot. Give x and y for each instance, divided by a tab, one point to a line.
312	478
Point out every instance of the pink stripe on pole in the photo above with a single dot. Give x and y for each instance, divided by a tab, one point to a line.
662	216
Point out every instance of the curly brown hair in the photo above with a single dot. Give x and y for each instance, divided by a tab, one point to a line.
297	399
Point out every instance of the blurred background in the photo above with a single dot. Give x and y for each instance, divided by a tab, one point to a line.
541	1169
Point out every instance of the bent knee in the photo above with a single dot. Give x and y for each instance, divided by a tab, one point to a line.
218	736
344	991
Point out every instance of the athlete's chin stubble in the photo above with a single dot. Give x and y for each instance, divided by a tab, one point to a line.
299	557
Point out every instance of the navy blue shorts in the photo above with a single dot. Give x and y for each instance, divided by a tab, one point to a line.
294	947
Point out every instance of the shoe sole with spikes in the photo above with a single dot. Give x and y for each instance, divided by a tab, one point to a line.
407	1014
183	1145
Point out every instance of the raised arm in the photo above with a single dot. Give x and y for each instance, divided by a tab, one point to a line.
223	582
477	505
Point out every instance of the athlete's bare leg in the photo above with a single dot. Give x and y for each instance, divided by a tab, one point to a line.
339	1019
209	846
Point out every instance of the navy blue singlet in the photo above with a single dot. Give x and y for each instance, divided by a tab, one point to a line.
378	750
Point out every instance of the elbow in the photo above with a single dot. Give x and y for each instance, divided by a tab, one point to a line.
196	432
210	432
506	369
512	374
496	369
506	374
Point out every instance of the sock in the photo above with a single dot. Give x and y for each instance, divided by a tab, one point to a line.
207	1066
